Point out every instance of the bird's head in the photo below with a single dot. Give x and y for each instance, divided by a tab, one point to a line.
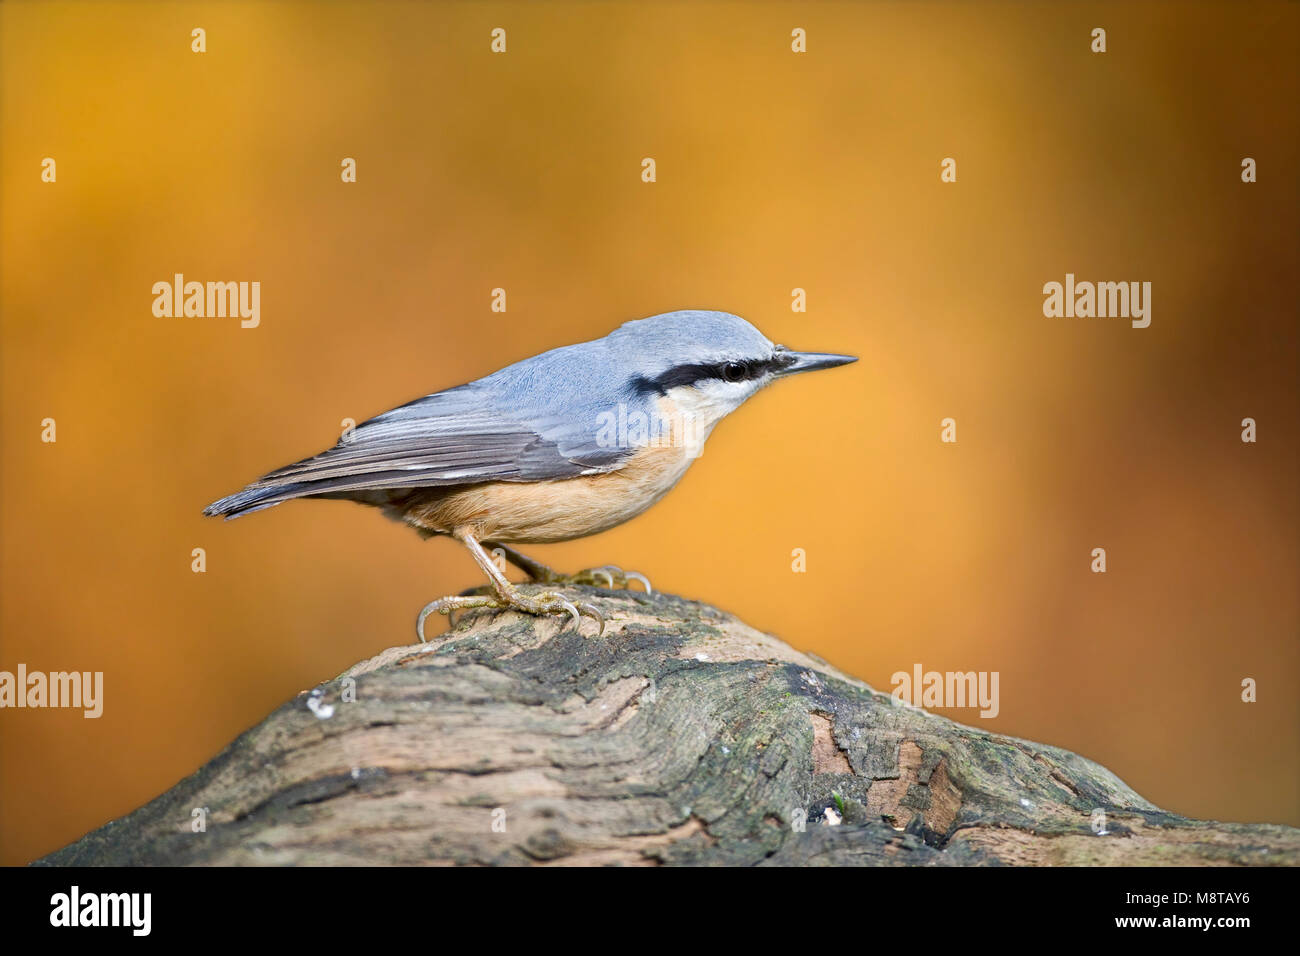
707	363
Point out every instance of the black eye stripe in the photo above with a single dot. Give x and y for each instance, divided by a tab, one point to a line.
690	374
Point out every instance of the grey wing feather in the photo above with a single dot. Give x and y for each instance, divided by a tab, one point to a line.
447	438
457	436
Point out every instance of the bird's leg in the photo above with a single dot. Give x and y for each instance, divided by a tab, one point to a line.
610	575
539	572
507	595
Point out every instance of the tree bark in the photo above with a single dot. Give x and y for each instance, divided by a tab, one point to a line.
682	736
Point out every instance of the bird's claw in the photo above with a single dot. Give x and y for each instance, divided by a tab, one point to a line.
638	576
591	611
551	601
548	602
615	578
608	575
449	604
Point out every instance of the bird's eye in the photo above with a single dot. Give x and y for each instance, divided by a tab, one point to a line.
733	372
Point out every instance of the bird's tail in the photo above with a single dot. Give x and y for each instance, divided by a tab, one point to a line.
256	498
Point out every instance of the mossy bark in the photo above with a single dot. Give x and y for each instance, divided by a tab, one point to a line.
682	736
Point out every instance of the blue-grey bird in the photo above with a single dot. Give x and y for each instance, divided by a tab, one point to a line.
559	446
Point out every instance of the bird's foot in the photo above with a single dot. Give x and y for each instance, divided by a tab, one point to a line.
605	576
548	602
610	575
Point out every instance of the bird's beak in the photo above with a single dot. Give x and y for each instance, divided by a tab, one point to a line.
795	362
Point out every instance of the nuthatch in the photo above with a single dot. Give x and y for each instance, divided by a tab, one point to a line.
559	446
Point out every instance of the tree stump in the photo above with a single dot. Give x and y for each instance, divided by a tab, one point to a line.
682	736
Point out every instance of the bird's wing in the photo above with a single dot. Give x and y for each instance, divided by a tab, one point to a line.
457	436
453	437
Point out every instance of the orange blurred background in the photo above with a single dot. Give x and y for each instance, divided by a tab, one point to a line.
775	170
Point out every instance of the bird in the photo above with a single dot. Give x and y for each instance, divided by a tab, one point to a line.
562	445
